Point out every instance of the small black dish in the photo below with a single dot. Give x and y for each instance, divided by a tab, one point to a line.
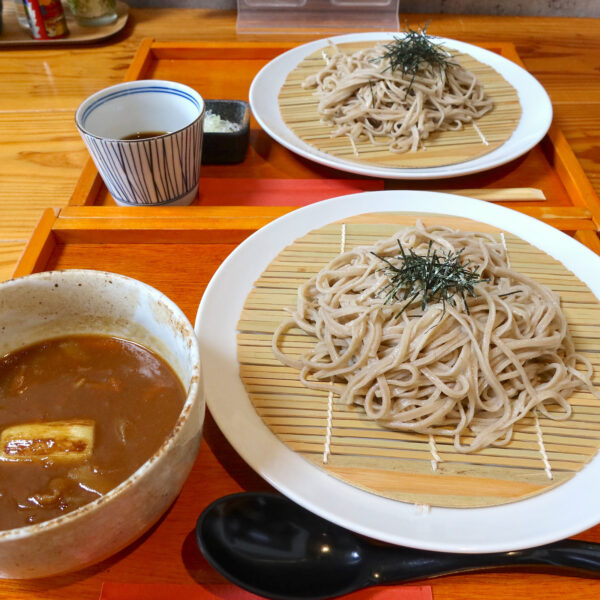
226	148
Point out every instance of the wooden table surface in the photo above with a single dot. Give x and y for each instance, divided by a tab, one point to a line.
41	153
41	157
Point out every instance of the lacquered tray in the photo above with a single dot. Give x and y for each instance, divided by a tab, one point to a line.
177	251
225	70
15	34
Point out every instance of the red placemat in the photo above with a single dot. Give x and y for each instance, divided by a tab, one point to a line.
151	591
279	192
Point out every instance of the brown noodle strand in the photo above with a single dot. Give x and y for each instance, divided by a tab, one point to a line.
362	99
442	371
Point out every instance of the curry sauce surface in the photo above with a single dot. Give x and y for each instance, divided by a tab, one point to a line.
131	395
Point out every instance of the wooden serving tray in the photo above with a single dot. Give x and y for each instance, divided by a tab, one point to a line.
226	70
177	251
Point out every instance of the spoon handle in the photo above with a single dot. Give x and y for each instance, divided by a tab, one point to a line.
571	554
410	564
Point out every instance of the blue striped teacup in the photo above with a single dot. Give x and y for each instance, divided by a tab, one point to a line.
161	169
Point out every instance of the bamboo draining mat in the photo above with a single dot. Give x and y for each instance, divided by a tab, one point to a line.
299	110
395	464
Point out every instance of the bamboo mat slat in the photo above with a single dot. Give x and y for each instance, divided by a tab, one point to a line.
402	465
299	110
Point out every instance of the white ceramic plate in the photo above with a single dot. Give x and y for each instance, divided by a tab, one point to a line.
558	513
535	119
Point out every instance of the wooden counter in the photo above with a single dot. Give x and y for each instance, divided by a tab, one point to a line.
42	155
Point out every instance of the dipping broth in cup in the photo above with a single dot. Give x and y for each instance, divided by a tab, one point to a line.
144	135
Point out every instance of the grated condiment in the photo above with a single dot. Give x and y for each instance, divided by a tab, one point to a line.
213	123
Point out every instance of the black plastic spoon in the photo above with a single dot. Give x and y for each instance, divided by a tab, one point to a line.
272	547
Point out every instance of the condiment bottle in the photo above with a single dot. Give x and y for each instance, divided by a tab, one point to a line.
46	19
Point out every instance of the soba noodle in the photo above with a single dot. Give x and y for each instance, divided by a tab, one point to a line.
362	98
470	371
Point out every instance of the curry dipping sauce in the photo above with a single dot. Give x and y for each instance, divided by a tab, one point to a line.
78	415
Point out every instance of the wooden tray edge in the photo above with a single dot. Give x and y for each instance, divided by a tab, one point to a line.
204	225
39	246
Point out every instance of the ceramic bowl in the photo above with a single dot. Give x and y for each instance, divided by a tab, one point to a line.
58	303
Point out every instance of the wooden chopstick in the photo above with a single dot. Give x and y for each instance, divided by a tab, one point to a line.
500	194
